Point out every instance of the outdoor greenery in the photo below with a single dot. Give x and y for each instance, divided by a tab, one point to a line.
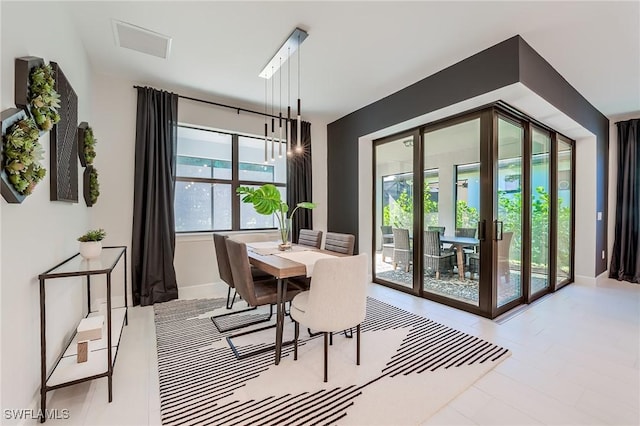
399	213
93	235
94	186
43	98
89	145
22	156
266	200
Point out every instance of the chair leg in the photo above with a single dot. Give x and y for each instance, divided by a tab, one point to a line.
230	305
295	340
437	275
348	335
326	354
331	338
358	345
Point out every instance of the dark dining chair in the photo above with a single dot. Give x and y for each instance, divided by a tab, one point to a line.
435	259
224	268
308	237
255	293
340	243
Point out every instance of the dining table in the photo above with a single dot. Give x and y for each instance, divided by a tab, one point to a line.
295	262
459	243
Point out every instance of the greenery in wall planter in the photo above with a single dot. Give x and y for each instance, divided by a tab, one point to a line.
44	101
91	186
21	156
86	144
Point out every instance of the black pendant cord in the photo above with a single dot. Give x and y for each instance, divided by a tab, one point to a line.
238	109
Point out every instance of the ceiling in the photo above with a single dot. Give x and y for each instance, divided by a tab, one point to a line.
359	52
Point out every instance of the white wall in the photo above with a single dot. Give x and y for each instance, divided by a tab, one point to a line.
115	114
585	214
38	233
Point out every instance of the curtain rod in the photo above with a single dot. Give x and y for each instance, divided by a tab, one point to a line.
238	109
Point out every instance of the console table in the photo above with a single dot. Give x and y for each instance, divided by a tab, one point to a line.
102	354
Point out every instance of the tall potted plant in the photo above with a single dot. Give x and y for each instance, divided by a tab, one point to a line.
266	200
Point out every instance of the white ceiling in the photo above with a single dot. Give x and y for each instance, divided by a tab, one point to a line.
359	52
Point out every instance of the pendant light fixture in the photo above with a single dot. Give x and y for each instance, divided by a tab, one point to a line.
280	114
299	124
273	126
265	123
288	48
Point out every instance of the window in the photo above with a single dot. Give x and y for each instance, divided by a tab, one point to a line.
210	167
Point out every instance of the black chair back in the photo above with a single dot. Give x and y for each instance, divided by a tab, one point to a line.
340	243
219	241
308	237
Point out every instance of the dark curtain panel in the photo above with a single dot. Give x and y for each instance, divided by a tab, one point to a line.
153	241
625	259
299	179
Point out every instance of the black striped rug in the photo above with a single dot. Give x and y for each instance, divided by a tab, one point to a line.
411	366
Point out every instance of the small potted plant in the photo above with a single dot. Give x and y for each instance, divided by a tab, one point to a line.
267	201
91	243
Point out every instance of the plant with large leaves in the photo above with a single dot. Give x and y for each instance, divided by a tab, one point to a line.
266	200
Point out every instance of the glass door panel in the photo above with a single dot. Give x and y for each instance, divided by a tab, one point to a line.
451	205
508	224
394	193
540	190
563	213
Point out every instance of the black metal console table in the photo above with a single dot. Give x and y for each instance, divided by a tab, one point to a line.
102	355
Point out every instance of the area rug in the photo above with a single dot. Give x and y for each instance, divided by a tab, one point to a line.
410	368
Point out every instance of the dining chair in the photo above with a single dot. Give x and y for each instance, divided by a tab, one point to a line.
387	242
224	268
441	230
308	237
467	233
402	253
255	293
336	301
435	259
340	243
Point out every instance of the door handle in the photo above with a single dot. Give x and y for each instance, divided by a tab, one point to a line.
482	234
497	229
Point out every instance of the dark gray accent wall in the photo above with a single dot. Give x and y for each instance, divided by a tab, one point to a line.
508	62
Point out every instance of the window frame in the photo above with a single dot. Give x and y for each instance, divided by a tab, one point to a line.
235	180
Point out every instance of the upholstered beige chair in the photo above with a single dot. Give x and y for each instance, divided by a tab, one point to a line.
336	301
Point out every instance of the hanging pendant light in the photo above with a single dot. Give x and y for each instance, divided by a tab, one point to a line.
265	123
288	48
289	104
299	124
273	122
280	114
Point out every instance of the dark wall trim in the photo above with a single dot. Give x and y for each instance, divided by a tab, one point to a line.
539	76
508	62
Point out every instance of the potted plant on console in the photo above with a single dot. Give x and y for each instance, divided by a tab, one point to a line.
266	200
91	243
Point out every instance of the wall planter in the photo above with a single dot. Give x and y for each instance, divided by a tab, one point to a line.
21	156
91	186
86	144
35	91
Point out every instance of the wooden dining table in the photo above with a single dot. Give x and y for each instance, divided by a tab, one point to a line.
281	268
459	243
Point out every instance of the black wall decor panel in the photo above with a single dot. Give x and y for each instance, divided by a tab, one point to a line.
64	147
508	62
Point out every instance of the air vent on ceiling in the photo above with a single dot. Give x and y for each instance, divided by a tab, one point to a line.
141	40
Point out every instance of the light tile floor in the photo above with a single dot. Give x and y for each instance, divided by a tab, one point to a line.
575	360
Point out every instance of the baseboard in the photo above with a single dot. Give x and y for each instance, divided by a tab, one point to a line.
203	291
588	281
602	277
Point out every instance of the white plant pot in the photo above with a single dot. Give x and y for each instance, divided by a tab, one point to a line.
90	249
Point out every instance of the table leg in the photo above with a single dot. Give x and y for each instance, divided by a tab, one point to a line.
460	262
279	319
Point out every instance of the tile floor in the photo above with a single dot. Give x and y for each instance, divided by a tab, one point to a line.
575	360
